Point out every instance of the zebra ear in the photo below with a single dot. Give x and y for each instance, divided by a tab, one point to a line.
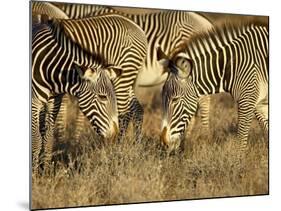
162	58
113	72
184	66
90	74
86	73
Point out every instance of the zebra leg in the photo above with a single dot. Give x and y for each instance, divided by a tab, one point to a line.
61	122
137	117
204	106
52	112
37	141
124	120
135	114
245	116
262	114
80	118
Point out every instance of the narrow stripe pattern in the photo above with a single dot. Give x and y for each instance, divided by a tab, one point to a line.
168	29
62	51
56	63
230	58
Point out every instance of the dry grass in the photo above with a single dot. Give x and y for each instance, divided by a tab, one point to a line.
87	174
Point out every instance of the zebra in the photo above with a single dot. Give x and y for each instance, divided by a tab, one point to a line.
60	66
167	29
231	58
121	43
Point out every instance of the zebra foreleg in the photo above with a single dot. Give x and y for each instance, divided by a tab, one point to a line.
80	119
124	120
204	108
245	116
37	141
262	115
51	115
135	114
137	118
61	122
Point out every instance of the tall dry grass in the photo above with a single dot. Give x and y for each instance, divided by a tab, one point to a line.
89	174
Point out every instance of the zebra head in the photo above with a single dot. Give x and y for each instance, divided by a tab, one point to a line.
179	99
97	100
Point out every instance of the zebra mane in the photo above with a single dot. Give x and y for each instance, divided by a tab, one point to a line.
218	29
57	26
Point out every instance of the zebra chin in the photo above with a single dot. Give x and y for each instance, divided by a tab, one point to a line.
171	143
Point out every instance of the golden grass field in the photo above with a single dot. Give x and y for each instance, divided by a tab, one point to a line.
89	174
127	172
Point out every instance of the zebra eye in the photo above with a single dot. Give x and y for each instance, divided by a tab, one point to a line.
184	118
175	99
102	97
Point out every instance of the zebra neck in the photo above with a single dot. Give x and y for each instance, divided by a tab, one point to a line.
79	55
208	74
211	61
70	82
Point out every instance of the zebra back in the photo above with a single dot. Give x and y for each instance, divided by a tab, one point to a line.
112	36
233	47
48	9
78	11
118	40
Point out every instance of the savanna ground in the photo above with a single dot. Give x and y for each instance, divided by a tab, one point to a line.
127	172
86	173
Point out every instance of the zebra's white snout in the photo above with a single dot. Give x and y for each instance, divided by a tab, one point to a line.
170	142
113	131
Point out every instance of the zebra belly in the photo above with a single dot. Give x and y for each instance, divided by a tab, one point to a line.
151	76
263	93
262	102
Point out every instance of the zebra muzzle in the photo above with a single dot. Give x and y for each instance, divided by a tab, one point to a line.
164	137
114	132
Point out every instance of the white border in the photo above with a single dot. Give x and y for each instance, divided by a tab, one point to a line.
14	110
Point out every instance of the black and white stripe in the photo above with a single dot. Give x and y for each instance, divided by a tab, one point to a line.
231	58
62	50
123	44
57	65
77	11
167	29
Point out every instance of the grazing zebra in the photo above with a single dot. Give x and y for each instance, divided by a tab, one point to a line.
59	66
121	43
167	29
230	58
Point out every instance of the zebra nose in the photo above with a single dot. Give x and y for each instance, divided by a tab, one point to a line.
114	131
164	136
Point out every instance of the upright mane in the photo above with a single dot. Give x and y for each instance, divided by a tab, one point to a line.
218	29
